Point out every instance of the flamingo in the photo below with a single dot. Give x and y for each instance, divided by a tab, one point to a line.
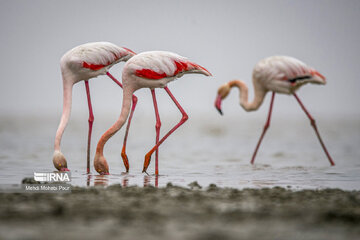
84	62
279	74
154	69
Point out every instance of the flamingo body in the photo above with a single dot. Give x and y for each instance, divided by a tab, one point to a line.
153	69
279	74
160	67
92	59
83	63
283	74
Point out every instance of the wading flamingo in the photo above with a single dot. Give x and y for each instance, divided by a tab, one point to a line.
279	74
152	70
82	63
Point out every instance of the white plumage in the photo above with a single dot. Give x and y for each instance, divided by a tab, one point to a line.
155	69
82	63
273	74
157	61
100	55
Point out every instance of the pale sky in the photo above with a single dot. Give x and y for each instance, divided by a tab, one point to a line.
226	37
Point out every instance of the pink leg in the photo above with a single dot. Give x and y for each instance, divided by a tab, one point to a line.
91	120
134	102
313	124
183	119
114	79
157	129
267	124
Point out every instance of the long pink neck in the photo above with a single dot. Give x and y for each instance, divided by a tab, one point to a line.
244	97
67	98
125	110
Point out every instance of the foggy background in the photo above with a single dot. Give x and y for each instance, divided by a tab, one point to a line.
226	37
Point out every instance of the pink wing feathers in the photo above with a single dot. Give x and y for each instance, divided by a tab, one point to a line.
104	55
284	68
159	64
97	55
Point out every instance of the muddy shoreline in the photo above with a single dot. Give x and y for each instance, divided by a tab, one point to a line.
174	212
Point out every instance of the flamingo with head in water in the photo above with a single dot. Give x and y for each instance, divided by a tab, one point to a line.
279	74
154	69
82	63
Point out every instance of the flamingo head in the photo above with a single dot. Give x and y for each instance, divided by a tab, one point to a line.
222	93
60	161
100	164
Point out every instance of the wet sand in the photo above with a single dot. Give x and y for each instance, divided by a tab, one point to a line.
174	212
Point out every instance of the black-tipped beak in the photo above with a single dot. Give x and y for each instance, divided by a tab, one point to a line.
218	104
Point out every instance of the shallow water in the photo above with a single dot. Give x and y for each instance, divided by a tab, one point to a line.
207	150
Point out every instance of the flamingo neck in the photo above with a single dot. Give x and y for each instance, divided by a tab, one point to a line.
125	110
259	94
67	98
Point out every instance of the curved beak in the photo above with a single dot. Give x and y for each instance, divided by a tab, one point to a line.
218	104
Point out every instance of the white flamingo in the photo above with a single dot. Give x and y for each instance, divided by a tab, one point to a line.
152	70
82	63
279	74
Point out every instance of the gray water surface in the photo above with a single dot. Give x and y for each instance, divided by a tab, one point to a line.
205	149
